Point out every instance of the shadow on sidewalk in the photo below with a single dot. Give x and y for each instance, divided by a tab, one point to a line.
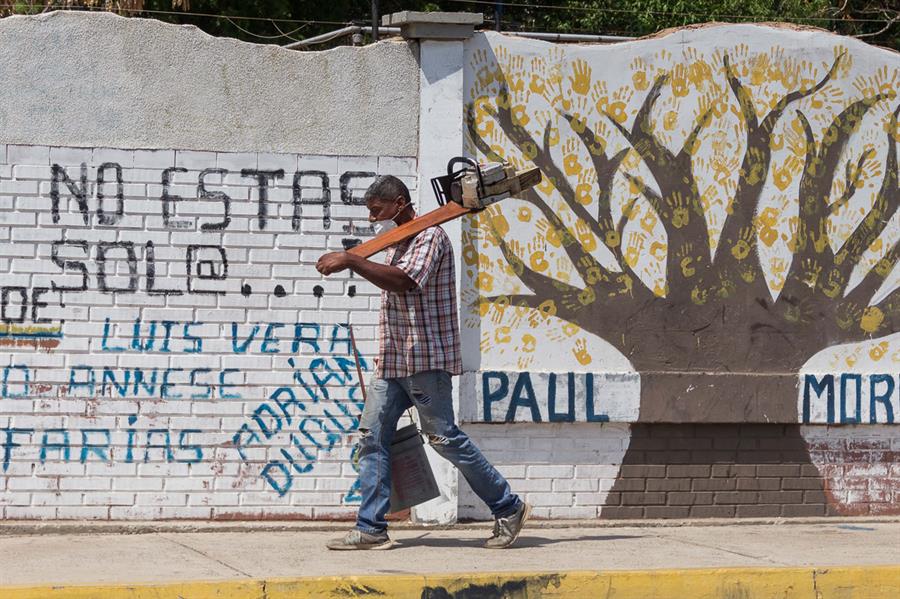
524	542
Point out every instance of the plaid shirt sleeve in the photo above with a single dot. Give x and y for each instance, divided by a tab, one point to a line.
421	259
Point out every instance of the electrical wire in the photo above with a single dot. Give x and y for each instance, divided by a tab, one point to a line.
288	35
266	37
305	22
596	9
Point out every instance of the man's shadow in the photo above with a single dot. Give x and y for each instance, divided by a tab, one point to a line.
524	541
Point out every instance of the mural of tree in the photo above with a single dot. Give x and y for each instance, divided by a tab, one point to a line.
717	309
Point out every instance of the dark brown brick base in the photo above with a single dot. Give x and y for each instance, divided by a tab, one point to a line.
717	471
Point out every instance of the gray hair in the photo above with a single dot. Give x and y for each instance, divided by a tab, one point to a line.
387	187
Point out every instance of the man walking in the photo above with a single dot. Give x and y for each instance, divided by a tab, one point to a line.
418	353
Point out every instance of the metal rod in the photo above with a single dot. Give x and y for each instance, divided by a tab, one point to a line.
362	385
374	21
538	35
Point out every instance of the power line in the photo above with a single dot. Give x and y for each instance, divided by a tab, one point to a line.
307	22
267	37
287	35
596	9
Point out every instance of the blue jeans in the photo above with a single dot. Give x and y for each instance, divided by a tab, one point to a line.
431	394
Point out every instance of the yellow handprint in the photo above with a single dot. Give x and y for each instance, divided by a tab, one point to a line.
570	329
547	308
524	214
585	236
698	70
681	215
778	268
648	223
633	248
759	67
545	186
537	84
768	236
639	74
581	77
550	234
879	351
678	81
520	115
784	175
581	353
484	282
538	261
741	249
529	343
811	270
470	254
670	120
600	96
790	74
571	164
583	191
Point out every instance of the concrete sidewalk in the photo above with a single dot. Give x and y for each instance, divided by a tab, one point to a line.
758	560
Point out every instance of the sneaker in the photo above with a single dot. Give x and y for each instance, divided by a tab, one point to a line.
506	530
357	539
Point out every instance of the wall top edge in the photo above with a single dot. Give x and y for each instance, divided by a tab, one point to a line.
108	19
701	31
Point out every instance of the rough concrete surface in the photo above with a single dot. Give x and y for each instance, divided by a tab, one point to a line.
169	557
76	79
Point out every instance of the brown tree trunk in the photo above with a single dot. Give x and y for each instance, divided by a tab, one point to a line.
717	471
718	397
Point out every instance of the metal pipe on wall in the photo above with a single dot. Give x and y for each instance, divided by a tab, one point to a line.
375	19
331	35
568	37
538	35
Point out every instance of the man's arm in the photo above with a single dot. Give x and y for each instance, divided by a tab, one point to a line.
389	278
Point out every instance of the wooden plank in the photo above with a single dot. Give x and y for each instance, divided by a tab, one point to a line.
445	213
523	180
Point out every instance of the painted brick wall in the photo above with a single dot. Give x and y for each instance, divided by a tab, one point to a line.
860	467
564	470
169	350
693	471
714	470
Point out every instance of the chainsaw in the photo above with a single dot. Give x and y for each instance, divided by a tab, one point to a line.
468	187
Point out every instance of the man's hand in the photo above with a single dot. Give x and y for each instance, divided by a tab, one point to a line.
389	278
334	262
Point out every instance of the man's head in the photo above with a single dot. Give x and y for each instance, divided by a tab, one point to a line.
387	198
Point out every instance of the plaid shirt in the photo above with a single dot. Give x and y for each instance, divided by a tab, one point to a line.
418	329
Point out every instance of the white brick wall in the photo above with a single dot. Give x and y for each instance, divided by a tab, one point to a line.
565	470
182	421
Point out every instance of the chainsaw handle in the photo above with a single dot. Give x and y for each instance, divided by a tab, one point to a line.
460	160
471	164
443	186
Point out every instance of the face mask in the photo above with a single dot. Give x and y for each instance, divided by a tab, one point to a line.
383	226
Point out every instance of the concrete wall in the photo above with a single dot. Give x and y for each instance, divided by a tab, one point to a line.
695	314
168	349
71	79
706	266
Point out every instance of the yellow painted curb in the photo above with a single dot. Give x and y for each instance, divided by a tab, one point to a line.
857	582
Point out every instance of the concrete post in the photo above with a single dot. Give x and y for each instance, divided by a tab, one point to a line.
441	38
